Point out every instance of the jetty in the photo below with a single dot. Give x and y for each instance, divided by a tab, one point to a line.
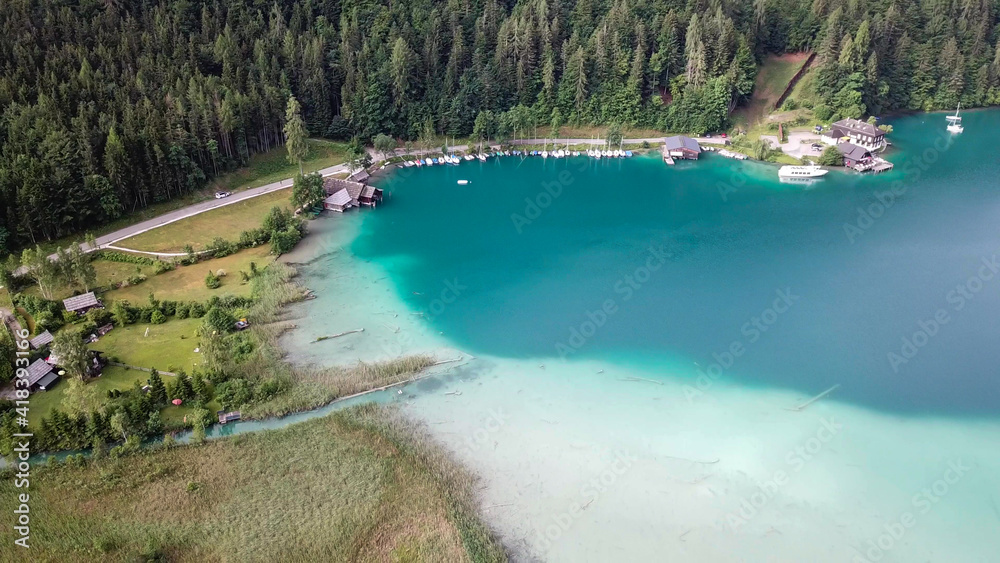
875	165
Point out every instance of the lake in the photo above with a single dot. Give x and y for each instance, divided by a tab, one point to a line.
646	340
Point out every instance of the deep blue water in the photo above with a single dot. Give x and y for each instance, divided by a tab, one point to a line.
523	287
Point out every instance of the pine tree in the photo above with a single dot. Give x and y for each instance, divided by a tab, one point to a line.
157	391
295	134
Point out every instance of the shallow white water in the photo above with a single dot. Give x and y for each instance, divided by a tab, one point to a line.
598	461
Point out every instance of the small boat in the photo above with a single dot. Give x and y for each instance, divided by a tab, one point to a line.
469	157
628	154
462	182
545	154
482	158
811	171
429	161
419	162
576	153
955	121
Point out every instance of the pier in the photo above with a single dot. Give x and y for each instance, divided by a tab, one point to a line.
875	165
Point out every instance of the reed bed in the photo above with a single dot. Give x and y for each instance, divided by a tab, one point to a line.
358	485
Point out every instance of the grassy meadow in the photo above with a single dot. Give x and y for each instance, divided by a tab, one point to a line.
187	283
199	230
357	485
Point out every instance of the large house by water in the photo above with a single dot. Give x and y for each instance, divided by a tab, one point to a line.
857	132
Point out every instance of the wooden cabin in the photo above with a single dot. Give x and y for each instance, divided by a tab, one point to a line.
41	377
80	304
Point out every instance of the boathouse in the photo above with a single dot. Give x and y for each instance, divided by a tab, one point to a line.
80	304
857	132
853	154
680	146
357	194
339	201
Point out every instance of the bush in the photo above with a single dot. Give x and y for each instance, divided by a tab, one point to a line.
157	318
219	320
790	104
69	317
284	241
831	157
220	247
162	266
99	317
136	279
181	312
112	256
254	237
196	311
169	308
823	112
212	281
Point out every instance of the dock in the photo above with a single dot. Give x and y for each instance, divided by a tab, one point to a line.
876	165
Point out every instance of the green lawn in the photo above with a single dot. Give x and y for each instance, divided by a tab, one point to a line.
187	283
166	346
114	377
226	222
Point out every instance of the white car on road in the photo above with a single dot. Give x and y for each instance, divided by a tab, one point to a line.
220	195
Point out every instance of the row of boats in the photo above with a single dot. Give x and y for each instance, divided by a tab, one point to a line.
482	157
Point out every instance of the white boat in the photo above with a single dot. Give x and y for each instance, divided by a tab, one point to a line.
462	182
408	164
955	121
469	157
428	162
811	171
576	153
482	158
545	154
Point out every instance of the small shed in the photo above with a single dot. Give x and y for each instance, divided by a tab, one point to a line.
38	376
853	154
42	340
680	146
80	304
340	201
359	176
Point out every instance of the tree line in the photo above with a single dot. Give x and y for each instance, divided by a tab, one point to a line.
111	106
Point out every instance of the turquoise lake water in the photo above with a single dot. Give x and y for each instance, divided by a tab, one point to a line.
533	250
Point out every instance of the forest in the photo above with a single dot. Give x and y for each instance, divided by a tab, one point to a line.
108	106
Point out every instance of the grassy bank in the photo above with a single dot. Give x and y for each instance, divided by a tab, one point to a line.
226	222
358	485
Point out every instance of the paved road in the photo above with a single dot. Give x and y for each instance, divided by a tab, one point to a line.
167	218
